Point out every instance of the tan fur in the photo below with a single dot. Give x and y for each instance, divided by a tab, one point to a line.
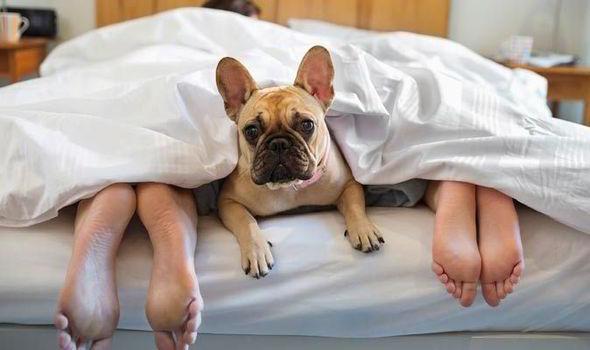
241	199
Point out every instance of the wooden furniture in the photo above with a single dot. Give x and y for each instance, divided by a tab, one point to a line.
419	16
21	58
565	83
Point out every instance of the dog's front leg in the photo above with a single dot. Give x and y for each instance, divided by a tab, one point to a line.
257	259
360	231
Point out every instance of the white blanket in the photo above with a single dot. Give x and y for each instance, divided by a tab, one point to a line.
137	102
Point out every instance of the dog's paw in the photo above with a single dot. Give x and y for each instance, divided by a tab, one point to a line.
257	260
365	237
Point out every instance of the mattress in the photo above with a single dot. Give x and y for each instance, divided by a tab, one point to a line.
43	338
320	286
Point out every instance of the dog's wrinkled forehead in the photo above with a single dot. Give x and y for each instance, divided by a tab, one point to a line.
277	105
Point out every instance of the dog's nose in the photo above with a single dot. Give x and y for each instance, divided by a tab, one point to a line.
279	144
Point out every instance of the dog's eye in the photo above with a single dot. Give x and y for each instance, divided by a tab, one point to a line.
307	126
251	132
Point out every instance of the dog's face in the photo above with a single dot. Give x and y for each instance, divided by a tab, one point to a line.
279	133
282	131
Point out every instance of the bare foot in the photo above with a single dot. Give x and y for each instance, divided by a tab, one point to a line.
88	306
174	302
456	259
499	245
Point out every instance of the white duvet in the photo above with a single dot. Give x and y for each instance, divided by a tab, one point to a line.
137	102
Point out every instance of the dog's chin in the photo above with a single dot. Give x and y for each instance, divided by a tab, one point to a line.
280	185
290	181
280	177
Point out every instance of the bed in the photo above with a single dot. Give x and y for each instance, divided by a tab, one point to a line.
322	295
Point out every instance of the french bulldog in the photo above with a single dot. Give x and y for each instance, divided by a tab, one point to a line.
286	158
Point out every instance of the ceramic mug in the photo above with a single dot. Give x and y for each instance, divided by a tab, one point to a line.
12	26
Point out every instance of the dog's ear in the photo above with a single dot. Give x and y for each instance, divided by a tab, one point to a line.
315	75
235	85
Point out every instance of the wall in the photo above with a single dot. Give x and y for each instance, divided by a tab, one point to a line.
482	25
478	24
74	16
573	110
587	37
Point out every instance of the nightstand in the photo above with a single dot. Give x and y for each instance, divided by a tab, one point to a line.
22	58
565	83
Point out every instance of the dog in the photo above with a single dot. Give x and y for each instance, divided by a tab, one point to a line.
286	158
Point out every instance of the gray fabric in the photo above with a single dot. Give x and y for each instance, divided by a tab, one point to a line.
405	194
206	196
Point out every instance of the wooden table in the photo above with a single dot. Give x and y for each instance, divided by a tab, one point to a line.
21	58
565	83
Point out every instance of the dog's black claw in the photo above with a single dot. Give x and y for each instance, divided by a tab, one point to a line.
269	243
345	233
381	240
247	270
358	247
375	247
270	266
257	276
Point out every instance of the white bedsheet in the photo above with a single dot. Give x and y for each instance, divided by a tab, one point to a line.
137	102
320	286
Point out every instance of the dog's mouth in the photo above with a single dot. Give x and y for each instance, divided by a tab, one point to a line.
282	175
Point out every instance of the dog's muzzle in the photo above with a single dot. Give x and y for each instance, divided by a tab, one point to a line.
279	146
280	160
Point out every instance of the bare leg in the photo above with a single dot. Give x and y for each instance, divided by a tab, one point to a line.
174	301
88	306
499	245
455	255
